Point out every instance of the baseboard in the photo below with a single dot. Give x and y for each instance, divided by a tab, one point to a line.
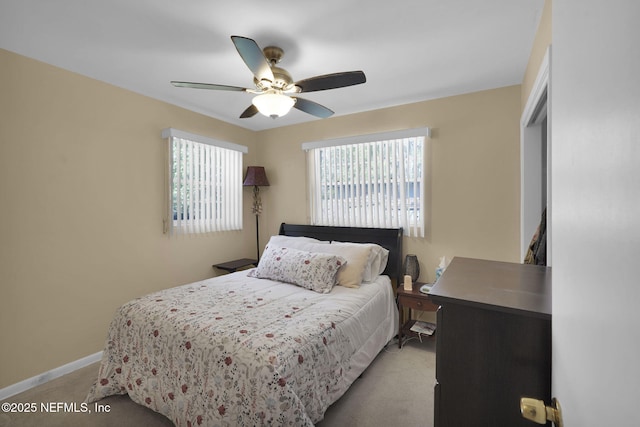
32	382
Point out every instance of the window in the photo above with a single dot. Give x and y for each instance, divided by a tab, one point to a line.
369	181
204	184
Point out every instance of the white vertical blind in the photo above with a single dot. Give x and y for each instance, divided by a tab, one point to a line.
374	183
205	184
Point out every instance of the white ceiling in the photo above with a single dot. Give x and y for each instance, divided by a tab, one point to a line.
410	50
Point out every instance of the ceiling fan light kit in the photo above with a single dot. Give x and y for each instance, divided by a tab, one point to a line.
273	85
273	104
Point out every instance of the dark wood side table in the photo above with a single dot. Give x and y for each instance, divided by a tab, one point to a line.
233	266
413	300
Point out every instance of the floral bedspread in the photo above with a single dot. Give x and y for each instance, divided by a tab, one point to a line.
228	352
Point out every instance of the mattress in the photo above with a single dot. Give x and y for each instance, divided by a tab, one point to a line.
238	350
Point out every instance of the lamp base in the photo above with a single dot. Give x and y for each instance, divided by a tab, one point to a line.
257	240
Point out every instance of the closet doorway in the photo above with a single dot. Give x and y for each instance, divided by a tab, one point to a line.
535	162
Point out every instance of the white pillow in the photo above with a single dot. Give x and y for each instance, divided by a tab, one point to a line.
376	263
314	271
301	243
379	258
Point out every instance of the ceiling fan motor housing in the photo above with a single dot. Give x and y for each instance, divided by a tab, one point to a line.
282	78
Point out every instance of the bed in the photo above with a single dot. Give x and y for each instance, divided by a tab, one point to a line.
248	348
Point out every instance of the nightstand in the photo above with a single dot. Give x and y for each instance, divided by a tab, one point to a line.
232	266
413	300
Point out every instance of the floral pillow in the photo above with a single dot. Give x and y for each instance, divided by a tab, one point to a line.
311	270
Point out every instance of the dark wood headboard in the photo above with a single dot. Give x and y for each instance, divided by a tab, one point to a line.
388	238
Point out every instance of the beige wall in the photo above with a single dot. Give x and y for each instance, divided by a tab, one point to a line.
81	184
474	159
81	179
540	44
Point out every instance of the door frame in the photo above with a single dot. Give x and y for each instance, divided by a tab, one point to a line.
532	160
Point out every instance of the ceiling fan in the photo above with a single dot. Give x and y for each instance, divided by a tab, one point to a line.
274	86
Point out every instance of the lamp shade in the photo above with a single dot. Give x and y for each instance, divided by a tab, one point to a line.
256	176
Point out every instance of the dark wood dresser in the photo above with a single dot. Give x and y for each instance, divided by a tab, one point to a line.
493	342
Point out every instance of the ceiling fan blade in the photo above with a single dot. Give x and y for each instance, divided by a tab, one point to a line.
251	111
312	108
332	81
254	58
208	86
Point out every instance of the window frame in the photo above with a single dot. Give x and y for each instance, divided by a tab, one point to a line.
412	227
215	188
